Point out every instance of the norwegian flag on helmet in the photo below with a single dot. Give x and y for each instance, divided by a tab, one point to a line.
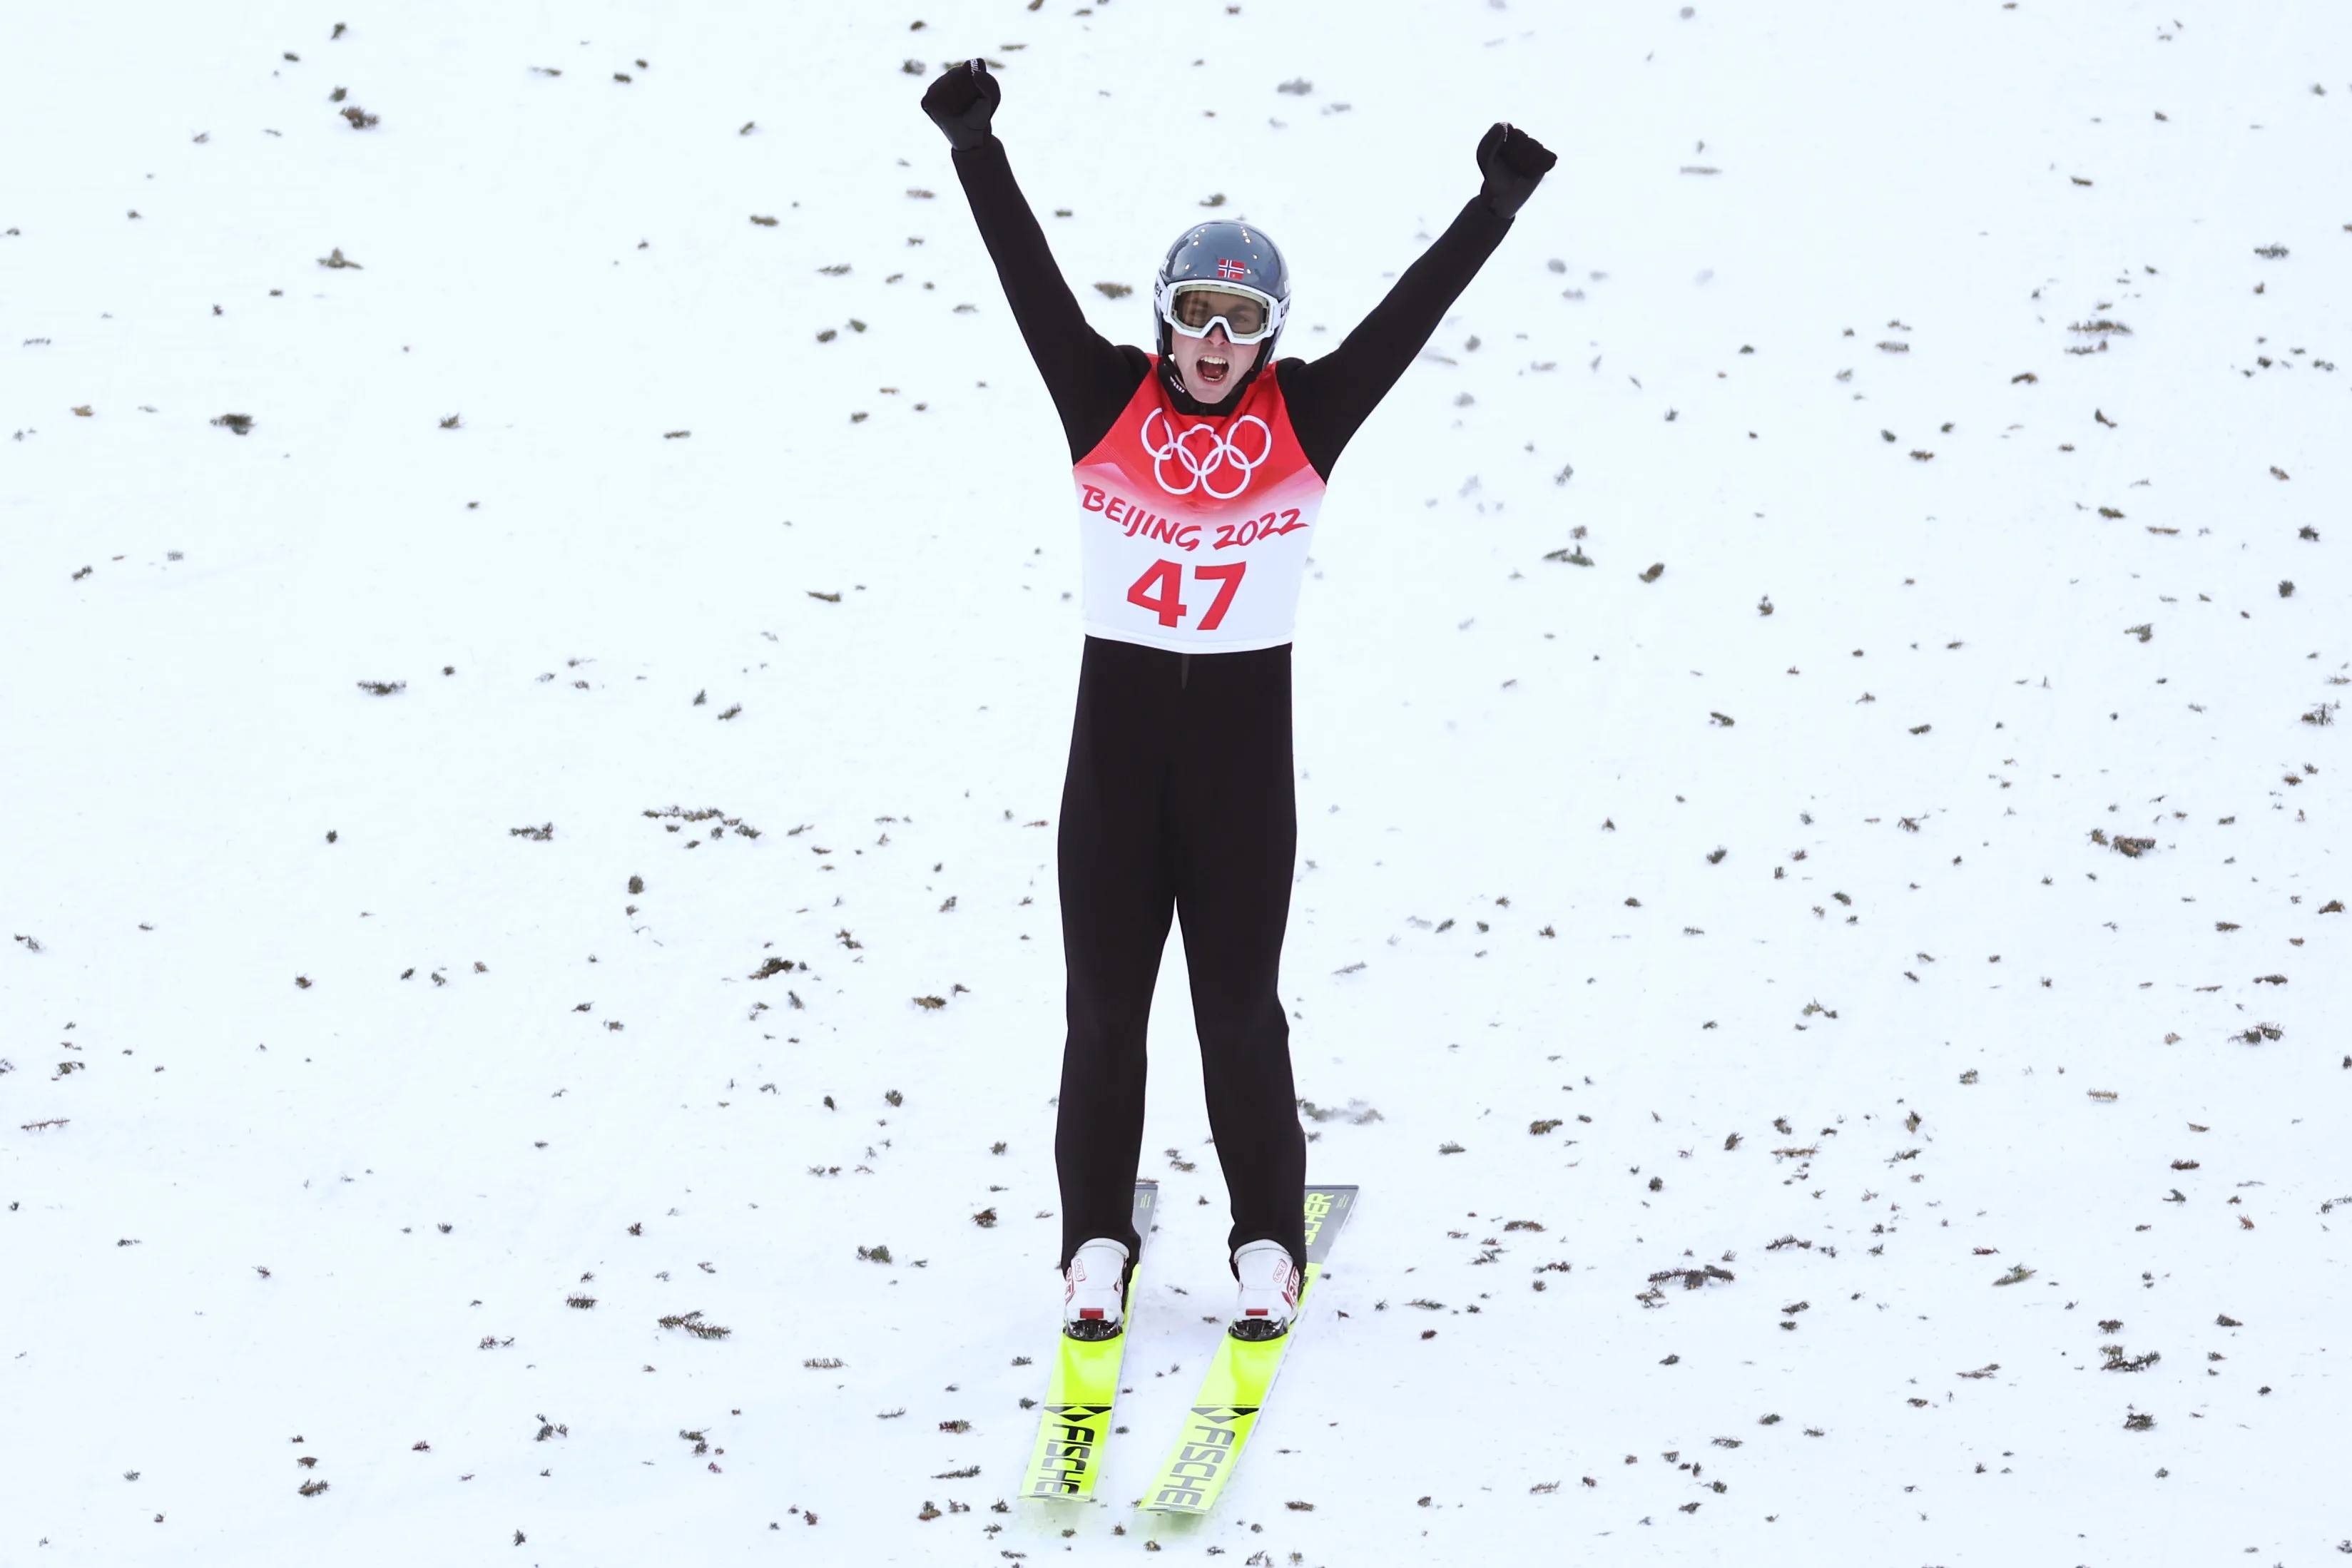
1232	269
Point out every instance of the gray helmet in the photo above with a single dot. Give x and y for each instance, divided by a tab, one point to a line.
1237	254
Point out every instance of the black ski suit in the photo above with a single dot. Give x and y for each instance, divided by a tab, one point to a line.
1179	795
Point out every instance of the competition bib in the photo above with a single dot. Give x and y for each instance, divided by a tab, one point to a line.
1193	528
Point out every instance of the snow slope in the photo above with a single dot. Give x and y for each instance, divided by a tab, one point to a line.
1968	369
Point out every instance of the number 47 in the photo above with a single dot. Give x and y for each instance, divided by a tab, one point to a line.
1167	577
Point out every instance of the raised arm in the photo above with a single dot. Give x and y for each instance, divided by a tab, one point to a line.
1329	398
1089	378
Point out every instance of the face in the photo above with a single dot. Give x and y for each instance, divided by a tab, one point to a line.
1212	365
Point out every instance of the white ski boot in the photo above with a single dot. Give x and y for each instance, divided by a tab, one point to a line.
1094	1292
1269	1292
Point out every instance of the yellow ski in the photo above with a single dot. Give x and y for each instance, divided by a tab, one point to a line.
1080	1394
1225	1410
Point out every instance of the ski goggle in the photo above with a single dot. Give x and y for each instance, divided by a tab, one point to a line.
1247	316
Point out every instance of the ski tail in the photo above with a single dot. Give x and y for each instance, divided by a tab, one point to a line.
1240	1377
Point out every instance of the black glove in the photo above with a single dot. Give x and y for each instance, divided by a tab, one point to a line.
1513	161
961	100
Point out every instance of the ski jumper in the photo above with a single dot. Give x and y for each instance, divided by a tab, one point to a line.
1179	799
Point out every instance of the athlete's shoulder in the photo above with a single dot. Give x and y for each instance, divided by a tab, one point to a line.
1290	374
1138	369
1284	380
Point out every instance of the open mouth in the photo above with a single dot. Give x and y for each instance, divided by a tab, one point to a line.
1213	370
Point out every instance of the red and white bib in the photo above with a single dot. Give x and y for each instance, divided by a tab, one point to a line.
1193	528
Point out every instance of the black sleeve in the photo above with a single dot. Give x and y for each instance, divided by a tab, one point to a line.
1329	398
1089	378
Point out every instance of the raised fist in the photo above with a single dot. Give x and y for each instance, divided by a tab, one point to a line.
1513	161
961	101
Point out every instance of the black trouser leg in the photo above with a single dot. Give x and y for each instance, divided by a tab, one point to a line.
1112	863
1234	827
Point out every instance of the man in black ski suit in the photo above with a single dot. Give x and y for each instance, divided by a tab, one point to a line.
1200	472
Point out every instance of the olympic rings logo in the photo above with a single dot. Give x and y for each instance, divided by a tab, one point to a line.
1199	462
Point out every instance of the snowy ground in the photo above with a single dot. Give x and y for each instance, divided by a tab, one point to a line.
1970	369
